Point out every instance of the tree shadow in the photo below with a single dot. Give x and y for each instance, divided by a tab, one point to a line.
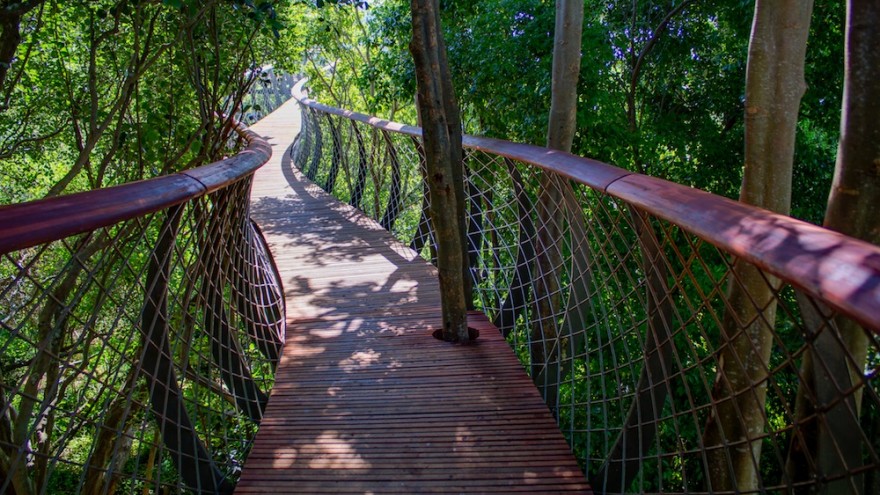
366	400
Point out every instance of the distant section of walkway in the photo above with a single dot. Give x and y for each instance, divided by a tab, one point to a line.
366	400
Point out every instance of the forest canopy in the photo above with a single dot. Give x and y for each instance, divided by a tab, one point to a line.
757	100
109	91
96	93
661	88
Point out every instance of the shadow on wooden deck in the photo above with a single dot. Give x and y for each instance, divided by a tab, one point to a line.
366	400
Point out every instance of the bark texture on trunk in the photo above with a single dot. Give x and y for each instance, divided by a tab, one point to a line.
566	69
441	127
561	125
854	202
836	361
774	87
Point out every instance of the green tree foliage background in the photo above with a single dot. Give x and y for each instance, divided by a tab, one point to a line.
105	92
101	93
688	96
109	91
661	92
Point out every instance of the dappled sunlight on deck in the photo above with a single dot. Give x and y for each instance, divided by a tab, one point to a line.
366	400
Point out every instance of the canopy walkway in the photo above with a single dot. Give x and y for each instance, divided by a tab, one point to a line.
366	400
237	328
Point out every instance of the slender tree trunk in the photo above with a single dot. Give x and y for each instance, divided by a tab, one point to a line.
112	449
853	209
566	69
561	126
854	201
637	63
774	87
10	37
441	127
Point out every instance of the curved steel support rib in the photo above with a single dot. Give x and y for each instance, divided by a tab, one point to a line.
360	182
424	232
194	464
136	369
519	293
317	144
392	210
641	427
337	160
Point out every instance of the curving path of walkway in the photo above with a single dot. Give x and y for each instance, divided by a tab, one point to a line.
366	400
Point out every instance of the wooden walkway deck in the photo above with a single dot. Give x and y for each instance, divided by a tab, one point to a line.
366	400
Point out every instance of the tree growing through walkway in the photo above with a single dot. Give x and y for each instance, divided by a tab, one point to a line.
442	135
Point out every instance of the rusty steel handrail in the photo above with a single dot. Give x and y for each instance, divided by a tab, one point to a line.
791	249
28	224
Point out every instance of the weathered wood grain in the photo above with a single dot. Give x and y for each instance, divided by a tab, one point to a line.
366	400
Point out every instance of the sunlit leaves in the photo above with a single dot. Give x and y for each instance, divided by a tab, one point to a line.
111	91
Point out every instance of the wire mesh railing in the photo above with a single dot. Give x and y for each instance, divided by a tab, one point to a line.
140	328
269	91
686	343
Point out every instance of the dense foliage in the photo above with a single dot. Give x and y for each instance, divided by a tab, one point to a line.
661	84
100	93
110	91
105	92
662	92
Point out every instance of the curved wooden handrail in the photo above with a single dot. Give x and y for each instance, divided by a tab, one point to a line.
300	95
28	224
843	271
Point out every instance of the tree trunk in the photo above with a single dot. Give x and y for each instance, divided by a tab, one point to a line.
10	37
566	69
441	128
854	201
561	125
112	450
637	62
774	87
853	209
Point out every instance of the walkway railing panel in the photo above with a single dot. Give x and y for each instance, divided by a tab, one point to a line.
140	327
626	299
341	156
269	91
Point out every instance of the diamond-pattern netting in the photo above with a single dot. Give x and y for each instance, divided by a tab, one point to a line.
671	364
268	92
138	357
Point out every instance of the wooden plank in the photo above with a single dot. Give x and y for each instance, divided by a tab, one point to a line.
366	400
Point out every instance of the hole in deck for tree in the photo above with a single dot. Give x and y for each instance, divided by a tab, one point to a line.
473	334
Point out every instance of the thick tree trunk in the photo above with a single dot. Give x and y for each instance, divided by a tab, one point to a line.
854	201
774	87
853	209
441	127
